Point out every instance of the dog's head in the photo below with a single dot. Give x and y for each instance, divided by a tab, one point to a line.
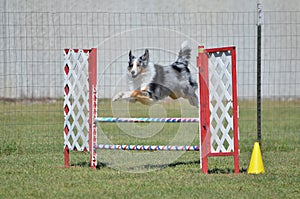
137	65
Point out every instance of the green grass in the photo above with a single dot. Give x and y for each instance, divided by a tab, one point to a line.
31	157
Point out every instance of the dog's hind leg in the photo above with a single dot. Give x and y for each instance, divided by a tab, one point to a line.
173	96
194	100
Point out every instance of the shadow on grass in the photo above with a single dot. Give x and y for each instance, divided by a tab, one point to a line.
87	164
225	170
162	166
210	171
156	166
101	165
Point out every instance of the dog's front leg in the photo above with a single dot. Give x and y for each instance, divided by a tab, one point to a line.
123	95
142	96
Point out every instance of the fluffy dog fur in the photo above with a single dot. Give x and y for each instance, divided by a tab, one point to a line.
153	82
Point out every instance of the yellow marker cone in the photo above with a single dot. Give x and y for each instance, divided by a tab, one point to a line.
256	163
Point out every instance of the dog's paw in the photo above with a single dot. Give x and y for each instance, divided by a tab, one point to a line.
121	95
117	97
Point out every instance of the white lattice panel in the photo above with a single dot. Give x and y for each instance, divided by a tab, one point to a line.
221	102
76	100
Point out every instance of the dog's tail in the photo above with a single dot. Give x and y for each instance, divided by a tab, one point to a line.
184	56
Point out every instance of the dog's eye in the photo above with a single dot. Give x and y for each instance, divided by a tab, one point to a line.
130	66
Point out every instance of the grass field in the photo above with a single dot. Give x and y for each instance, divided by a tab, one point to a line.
31	163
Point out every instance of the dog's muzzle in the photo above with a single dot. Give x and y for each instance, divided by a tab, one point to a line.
133	74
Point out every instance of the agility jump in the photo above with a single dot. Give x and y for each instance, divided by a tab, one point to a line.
218	111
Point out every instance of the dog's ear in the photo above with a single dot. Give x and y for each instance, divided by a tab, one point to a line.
131	57
145	56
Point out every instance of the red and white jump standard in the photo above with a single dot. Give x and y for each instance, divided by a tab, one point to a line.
218	104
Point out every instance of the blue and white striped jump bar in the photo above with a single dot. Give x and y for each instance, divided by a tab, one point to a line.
146	147
141	120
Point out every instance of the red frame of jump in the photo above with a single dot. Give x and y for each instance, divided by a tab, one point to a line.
92	73
204	110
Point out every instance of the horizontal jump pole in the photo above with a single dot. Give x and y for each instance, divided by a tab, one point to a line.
146	147
141	120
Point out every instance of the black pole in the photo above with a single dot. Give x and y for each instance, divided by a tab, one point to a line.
259	10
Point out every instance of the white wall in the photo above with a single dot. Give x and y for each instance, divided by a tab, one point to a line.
33	34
